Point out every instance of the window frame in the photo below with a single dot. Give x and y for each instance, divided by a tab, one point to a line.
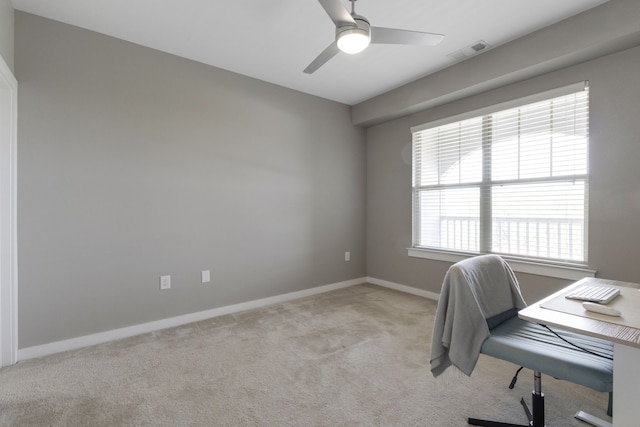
544	267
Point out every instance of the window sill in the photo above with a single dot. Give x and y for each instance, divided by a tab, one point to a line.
569	272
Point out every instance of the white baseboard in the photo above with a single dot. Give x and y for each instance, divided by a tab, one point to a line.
403	288
115	334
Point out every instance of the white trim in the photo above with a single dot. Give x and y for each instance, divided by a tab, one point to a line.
521	266
8	215
116	334
404	288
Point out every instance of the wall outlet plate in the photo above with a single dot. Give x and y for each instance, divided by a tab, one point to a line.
165	282
206	276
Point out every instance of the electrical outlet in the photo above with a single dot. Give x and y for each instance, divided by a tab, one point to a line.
347	256
165	282
206	276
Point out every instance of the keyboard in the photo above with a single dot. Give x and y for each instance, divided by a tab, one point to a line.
598	294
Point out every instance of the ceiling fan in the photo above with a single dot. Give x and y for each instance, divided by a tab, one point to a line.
353	34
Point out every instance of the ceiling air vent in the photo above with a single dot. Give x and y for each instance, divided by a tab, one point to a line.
469	51
479	46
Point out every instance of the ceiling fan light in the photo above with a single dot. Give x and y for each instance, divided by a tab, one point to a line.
353	40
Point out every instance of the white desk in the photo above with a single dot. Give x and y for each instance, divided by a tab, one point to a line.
626	349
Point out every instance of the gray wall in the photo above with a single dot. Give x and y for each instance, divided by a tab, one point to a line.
614	208
6	32
133	163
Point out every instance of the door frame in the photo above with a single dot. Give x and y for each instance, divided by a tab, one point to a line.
8	216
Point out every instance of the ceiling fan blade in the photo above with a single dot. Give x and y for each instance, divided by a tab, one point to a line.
331	51
381	35
337	12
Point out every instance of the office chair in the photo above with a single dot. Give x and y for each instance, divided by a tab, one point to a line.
478	313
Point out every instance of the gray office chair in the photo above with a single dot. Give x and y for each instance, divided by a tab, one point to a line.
477	313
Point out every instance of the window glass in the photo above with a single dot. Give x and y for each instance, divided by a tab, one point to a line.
513	182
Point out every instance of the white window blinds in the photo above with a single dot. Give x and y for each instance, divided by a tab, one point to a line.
513	182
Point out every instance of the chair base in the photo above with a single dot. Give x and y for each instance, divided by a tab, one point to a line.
538	405
536	419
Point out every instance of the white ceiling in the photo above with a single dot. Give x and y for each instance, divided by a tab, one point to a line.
274	40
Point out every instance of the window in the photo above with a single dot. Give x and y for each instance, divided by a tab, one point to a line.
510	181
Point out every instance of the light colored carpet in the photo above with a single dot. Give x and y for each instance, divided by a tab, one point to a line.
353	357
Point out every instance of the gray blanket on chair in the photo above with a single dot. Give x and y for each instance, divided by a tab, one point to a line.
473	290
